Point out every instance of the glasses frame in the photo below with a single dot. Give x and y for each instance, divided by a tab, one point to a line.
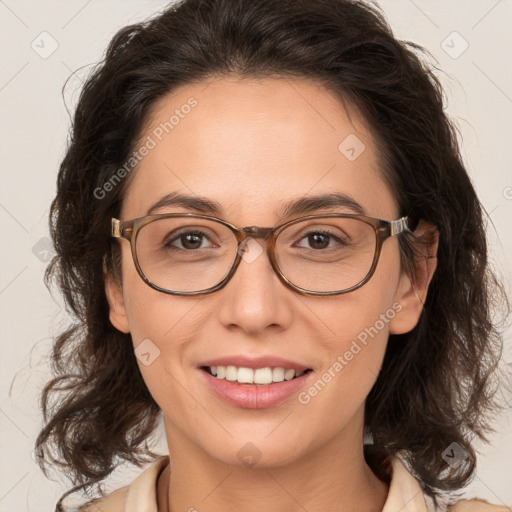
384	229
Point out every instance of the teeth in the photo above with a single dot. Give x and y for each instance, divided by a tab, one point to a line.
231	373
289	374
244	375
278	374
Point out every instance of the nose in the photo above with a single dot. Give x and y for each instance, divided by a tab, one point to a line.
255	298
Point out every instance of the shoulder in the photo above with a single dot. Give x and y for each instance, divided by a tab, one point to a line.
114	502
141	493
477	505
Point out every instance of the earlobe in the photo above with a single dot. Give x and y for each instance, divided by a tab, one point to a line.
117	309
412	292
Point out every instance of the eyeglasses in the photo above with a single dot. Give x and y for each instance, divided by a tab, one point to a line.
192	254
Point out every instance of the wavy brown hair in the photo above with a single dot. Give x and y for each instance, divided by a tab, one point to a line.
438	382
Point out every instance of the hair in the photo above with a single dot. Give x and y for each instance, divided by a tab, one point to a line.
438	382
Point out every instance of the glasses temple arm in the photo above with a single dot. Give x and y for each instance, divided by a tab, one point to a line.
116	228
399	226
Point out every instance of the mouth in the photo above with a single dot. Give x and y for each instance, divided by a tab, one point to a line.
262	376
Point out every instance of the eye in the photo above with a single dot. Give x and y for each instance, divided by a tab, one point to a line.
321	239
189	240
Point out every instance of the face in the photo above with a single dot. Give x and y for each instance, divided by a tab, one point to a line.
251	146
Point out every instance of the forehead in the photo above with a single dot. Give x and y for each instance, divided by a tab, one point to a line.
252	145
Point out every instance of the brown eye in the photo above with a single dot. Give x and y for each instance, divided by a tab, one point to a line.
320	239
189	240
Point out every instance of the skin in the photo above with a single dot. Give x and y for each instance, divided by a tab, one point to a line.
251	145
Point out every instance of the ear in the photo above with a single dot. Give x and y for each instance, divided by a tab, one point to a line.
115	298
412	290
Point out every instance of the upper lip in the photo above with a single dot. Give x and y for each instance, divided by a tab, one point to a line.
255	362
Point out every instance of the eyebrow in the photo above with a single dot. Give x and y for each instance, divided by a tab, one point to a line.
301	206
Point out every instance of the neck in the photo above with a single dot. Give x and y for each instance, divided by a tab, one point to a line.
315	482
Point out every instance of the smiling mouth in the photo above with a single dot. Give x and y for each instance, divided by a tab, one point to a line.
265	376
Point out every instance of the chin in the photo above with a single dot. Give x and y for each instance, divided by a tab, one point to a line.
258	454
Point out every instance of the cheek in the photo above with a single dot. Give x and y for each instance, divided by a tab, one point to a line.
354	351
150	313
154	319
363	315
160	326
354	358
354	342
156	316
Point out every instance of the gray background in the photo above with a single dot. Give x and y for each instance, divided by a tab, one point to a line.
33	130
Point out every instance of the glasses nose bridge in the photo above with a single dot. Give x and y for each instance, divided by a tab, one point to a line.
257	232
243	234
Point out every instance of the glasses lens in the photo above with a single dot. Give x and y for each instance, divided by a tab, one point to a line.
326	254
185	254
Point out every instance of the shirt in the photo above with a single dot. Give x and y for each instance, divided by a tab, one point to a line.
405	494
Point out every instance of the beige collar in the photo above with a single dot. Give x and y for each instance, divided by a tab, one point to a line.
405	493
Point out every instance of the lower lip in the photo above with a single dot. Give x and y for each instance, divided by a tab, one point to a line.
255	396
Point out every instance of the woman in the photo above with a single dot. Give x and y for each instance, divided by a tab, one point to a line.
269	240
